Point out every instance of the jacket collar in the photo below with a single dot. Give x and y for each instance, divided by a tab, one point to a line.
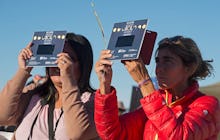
187	94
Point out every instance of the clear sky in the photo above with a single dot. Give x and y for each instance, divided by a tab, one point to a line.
199	20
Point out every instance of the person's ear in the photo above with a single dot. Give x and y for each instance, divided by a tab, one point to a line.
191	69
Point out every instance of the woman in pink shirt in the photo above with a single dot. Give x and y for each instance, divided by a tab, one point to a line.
62	107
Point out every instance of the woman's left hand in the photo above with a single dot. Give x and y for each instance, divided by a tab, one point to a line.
139	73
136	69
66	65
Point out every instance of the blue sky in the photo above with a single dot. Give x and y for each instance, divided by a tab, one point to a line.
196	19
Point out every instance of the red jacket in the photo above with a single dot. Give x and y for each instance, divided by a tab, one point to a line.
193	117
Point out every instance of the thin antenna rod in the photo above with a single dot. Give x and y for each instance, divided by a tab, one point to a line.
99	23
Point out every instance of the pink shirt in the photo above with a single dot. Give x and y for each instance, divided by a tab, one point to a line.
40	129
78	111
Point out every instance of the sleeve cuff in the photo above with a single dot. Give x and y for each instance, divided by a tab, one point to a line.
152	102
106	100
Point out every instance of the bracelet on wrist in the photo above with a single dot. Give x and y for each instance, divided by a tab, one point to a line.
143	82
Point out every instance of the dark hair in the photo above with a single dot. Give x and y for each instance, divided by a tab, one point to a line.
189	53
83	50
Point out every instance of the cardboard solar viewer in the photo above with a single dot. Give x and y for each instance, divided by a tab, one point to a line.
130	40
46	46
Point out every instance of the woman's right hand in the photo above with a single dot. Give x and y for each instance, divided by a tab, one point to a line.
24	55
103	69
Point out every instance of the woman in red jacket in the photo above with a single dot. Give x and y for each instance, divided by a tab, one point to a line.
178	110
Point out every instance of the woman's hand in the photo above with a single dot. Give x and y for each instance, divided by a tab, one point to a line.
139	73
25	55
67	66
136	69
103	70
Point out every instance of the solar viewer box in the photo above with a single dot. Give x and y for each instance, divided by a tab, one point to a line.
130	40
46	46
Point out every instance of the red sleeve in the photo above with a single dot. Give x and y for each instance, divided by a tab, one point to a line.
109	126
199	120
